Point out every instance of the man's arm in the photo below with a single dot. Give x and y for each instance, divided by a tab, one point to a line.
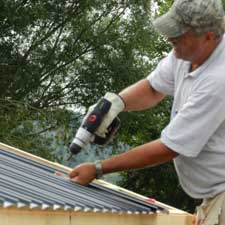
136	97
149	154
140	95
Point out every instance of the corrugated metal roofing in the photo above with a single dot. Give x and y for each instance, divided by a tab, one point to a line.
28	184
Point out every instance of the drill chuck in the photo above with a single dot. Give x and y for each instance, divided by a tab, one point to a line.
82	138
75	148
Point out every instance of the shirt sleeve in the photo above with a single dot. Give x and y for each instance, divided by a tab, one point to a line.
162	78
197	120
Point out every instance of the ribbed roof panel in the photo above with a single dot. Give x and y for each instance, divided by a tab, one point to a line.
27	183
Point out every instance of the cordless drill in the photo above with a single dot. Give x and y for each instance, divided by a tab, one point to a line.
86	133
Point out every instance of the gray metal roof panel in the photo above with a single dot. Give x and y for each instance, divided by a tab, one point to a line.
27	183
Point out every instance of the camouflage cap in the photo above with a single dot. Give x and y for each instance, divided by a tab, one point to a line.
202	15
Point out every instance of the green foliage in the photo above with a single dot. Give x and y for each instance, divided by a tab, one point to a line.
37	131
60	53
55	55
161	183
142	127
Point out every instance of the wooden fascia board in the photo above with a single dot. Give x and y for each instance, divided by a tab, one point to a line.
52	217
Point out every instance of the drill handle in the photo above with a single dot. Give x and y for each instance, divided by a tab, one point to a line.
112	129
95	118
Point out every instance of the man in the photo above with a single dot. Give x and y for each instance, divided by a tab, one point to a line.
194	74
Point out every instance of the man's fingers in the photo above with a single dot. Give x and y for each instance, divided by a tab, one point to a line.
79	181
75	179
74	173
83	174
60	174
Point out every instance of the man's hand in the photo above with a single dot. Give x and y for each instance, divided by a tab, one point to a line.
117	105
83	174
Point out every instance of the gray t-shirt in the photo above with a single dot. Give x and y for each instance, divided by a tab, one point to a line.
197	127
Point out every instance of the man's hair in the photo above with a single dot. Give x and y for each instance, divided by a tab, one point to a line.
217	30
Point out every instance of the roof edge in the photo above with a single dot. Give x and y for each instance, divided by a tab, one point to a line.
35	158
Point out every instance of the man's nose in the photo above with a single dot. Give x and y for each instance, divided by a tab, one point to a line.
171	39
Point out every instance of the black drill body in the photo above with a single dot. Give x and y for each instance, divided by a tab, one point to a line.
86	133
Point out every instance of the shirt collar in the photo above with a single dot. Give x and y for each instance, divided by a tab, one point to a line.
211	58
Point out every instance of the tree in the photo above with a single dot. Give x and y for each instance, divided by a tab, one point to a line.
56	55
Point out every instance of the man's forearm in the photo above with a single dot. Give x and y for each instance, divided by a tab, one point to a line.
140	96
149	154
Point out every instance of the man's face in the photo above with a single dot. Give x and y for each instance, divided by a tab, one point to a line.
188	46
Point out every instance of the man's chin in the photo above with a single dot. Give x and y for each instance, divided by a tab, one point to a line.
177	55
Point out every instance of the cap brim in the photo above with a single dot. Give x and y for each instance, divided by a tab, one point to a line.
169	26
